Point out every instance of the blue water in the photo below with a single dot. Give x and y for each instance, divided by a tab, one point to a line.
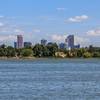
50	79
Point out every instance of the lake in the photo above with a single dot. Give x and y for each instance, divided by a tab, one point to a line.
50	79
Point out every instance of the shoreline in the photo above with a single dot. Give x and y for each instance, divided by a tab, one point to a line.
40	58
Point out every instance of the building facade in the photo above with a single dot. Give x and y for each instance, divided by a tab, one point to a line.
77	46
27	44
43	42
62	46
19	41
70	41
15	44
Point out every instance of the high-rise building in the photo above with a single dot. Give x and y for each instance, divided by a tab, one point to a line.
50	43
70	41
62	45
19	41
15	44
27	44
77	46
43	42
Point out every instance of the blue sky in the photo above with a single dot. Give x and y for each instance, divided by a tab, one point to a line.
50	19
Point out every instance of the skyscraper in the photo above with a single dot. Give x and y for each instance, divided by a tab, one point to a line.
27	44
15	44
62	45
19	41
70	41
43	42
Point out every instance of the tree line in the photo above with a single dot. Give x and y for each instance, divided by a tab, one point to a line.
50	50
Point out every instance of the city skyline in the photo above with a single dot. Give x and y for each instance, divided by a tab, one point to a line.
51	20
69	43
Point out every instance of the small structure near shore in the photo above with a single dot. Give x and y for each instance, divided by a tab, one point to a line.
60	54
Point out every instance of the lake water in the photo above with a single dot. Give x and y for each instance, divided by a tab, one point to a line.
50	79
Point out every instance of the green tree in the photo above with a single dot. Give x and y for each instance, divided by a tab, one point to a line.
96	54
3	52
37	50
10	51
26	52
45	51
3	46
53	48
87	55
81	51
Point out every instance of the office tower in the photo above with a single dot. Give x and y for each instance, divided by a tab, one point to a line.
62	46
43	42
27	44
50	43
77	46
19	41
70	41
15	44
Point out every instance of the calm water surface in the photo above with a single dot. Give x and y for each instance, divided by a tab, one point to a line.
50	79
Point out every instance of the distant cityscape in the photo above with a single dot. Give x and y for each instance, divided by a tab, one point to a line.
68	44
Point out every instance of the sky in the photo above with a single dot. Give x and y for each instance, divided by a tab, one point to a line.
53	20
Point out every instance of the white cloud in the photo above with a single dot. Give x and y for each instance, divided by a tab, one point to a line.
9	29
18	31
7	38
83	41
47	18
1	16
61	9
58	38
1	24
36	31
78	18
94	32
